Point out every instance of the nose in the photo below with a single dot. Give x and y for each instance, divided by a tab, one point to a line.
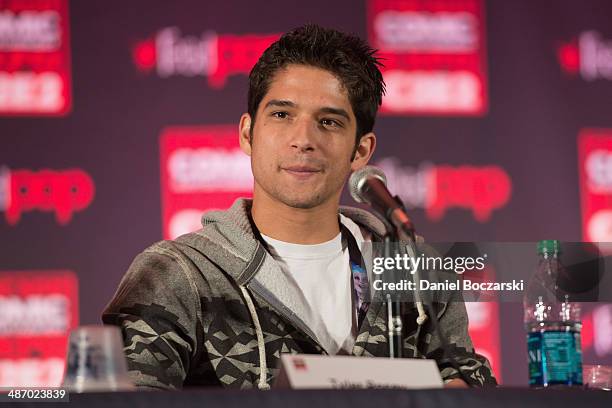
303	135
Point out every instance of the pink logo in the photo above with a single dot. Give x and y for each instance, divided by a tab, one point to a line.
589	56
437	188
61	192
215	56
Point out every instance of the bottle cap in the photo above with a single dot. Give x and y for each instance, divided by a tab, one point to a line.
549	246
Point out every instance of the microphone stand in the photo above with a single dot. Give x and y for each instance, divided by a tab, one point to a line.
394	317
396	233
401	230
405	235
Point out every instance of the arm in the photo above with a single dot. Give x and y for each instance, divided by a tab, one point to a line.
156	307
453	322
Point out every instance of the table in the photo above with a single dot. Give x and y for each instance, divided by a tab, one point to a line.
456	398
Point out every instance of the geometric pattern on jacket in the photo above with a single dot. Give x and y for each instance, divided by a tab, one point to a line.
183	311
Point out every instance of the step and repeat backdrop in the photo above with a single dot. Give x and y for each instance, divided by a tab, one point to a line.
118	128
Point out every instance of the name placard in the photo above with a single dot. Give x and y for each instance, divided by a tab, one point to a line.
305	371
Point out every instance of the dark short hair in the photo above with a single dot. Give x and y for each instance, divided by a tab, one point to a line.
346	56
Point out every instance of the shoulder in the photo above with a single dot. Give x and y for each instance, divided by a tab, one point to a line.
368	223
365	221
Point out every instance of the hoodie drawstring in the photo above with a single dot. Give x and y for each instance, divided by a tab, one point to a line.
261	345
422	315
422	318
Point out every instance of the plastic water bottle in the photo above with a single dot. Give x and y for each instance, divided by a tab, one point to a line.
553	325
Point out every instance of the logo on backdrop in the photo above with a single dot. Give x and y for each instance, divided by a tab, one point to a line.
215	56
34	58
595	174
39	308
62	192
602	328
202	169
434	56
588	56
437	188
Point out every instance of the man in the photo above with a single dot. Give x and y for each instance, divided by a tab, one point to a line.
274	275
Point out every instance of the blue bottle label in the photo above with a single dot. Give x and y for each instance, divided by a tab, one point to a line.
555	358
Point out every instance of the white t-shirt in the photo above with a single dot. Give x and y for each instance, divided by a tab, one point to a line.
323	275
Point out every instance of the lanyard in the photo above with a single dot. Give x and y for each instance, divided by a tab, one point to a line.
359	277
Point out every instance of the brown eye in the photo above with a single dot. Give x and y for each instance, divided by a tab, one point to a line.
329	123
279	115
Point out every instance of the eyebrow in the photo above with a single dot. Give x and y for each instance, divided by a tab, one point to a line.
336	111
327	109
280	102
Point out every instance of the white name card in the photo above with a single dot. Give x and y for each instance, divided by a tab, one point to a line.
306	371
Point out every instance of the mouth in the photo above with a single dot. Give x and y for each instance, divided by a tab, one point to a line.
302	172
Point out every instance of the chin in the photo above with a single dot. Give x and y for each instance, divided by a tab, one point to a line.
303	202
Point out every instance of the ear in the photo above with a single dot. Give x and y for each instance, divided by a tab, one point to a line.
245	133
365	150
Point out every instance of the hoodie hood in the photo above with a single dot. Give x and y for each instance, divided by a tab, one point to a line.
238	250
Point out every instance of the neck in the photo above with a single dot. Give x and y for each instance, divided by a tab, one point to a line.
306	226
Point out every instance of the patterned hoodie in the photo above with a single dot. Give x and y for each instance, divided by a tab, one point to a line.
201	311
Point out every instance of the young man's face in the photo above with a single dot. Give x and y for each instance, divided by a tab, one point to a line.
303	138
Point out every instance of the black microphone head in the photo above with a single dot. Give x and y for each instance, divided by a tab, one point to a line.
358	179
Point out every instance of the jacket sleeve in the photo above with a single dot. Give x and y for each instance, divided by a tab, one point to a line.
453	323
156	307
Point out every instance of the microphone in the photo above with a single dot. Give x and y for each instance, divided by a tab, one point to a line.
369	185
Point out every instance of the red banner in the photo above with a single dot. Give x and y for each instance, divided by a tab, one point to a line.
202	168
595	172
34	57
37	311
434	55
